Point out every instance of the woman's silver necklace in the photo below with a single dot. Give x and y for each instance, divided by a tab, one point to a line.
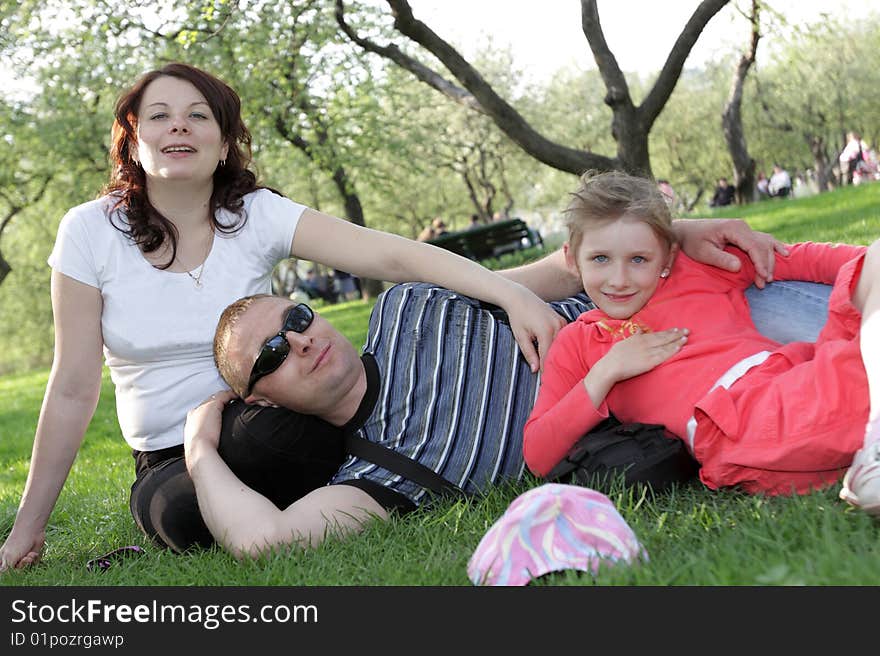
197	278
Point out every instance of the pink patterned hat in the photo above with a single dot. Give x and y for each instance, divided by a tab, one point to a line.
550	528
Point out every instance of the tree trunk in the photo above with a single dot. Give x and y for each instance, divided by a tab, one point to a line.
5	268
820	161
731	120
354	211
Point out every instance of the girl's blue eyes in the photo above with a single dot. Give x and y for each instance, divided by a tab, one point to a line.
601	259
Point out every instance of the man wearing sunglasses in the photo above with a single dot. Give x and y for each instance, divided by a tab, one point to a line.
441	382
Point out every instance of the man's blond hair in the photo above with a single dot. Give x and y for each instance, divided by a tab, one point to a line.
604	197
236	374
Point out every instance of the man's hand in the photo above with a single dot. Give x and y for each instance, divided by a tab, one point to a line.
705	239
203	424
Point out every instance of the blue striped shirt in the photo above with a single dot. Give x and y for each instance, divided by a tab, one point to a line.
453	390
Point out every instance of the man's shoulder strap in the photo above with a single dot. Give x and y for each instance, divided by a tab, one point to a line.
401	465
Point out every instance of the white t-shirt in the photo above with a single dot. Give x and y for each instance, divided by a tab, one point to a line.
852	148
158	327
779	181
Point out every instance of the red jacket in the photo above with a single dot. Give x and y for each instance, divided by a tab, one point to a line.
708	301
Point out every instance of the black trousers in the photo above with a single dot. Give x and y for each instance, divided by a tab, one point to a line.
280	454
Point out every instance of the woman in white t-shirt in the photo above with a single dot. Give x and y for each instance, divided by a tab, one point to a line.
143	273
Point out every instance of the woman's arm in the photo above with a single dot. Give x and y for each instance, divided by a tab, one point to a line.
244	521
383	256
68	405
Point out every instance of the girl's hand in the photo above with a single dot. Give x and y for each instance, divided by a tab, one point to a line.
642	352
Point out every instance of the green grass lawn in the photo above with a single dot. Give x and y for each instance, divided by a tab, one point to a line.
693	536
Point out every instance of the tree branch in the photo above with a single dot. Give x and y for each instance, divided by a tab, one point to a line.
422	72
615	83
656	99
481	94
15	209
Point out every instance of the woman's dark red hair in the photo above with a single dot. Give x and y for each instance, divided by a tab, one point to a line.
145	224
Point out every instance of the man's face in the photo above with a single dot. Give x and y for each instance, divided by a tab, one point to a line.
321	367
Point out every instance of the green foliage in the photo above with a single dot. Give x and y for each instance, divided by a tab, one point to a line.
687	145
849	215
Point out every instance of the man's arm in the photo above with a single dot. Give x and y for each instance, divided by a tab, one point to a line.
548	277
705	239
702	239
245	522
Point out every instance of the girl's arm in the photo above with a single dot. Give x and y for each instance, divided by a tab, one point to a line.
68	405
815	262
373	254
570	402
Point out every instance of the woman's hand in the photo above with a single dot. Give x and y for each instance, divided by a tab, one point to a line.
534	325
21	549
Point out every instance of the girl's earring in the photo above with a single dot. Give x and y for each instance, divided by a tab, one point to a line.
664	273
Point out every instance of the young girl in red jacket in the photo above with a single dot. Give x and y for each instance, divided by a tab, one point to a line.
671	342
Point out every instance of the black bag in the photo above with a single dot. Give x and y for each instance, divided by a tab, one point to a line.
641	453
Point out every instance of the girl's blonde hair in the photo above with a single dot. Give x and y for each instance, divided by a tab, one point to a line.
604	197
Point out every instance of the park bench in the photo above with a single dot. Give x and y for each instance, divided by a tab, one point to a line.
490	240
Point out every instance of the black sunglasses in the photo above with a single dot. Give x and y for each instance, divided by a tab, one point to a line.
276	348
